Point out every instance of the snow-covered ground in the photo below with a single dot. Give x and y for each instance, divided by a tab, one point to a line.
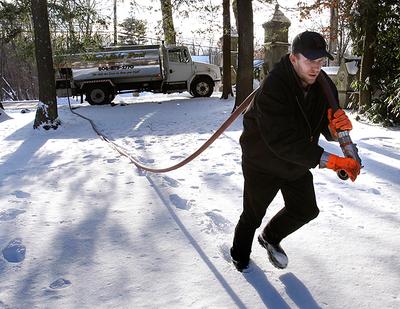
82	227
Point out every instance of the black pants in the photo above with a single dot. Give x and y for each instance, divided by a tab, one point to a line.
259	191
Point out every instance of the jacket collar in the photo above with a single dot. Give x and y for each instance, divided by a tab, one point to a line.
290	76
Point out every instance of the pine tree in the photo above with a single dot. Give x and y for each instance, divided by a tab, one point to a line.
133	31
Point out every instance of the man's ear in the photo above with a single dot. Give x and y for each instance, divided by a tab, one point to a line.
292	58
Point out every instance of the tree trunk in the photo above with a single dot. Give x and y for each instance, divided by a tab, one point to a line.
235	13
368	55
115	24
343	41
87	23
244	84
71	35
168	22
2	96
46	113
226	47
333	32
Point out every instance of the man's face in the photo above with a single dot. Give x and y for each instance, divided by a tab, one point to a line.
306	69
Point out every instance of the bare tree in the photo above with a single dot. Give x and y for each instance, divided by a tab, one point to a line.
46	113
1	70
244	85
333	30
235	12
115	23
368	52
337	32
168	22
226	49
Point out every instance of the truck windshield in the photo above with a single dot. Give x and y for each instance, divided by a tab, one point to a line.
178	55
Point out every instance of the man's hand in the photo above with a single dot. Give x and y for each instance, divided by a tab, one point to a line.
349	165
338	121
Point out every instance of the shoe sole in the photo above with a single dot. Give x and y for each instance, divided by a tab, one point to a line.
271	258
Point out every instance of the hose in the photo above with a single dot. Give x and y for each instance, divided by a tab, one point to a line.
239	110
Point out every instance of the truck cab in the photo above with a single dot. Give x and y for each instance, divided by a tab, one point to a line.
196	77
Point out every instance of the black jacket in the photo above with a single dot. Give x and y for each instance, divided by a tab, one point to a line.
282	128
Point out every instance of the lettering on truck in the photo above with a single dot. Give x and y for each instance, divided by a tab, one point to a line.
117	67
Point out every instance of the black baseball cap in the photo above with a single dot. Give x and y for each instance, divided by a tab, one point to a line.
311	45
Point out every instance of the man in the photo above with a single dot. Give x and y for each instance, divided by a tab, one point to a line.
280	145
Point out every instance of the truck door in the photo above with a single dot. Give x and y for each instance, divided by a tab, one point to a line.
180	65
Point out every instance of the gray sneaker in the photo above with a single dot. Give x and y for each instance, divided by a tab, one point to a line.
276	255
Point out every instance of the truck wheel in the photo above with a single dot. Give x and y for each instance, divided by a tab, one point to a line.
99	95
202	87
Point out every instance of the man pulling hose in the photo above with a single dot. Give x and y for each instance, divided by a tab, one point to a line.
280	145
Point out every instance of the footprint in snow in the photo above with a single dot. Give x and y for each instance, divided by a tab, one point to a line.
15	251
219	223
179	202
60	283
21	194
144	160
224	250
171	182
374	191
176	157
338	205
10	214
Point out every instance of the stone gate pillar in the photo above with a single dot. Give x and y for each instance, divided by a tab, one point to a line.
275	39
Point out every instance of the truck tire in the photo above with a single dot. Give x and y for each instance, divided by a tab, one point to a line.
202	87
99	94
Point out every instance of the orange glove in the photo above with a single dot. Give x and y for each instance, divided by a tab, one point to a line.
338	121
349	165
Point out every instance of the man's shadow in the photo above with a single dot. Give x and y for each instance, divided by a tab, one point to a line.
298	292
295	289
267	292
